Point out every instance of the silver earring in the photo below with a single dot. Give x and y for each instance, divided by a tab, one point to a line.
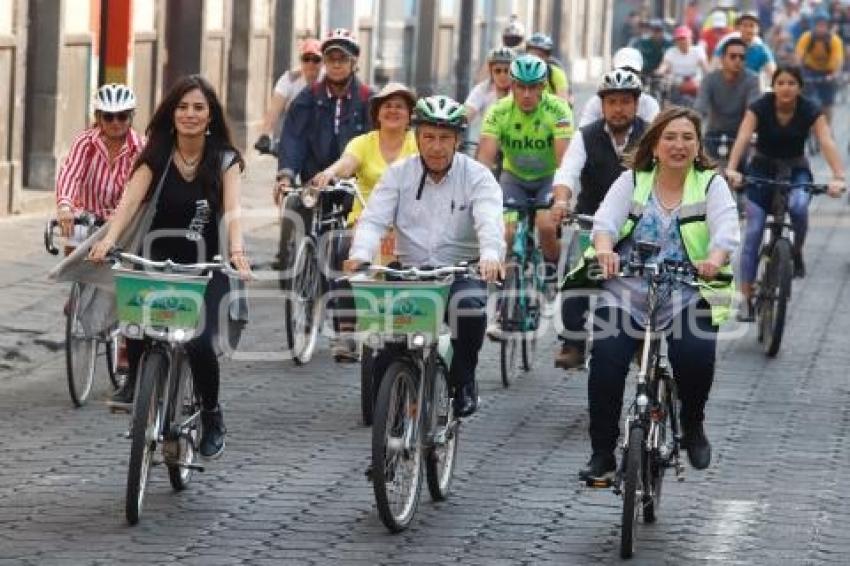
208	130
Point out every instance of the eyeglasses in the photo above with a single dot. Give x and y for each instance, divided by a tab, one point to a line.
315	59
112	116
736	56
500	70
338	60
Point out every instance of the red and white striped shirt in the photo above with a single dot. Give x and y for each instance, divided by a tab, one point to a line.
85	180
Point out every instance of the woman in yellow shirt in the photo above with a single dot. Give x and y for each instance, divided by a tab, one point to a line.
367	156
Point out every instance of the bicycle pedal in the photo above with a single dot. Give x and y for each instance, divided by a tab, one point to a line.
195	467
116	408
600	484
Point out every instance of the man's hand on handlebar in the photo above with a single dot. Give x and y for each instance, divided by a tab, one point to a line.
65	216
491	270
353	265
609	262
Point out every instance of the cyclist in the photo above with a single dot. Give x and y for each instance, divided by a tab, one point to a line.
92	176
653	47
368	156
709	38
513	34
318	126
533	129
759	57
783	120
189	143
629	59
670	196
446	208
287	88
725	94
591	164
821	53
496	87
685	63
541	45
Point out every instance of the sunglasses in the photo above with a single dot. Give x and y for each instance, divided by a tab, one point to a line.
112	116
311	59
736	56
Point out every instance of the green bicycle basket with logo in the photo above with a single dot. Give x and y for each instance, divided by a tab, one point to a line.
400	307
162	301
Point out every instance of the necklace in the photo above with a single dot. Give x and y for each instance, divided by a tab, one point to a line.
187	163
664	205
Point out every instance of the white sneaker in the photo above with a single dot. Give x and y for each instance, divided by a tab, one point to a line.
494	332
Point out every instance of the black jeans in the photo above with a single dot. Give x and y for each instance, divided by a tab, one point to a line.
691	352
574	317
203	357
467	318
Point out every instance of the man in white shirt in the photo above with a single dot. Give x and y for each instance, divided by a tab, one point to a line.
629	59
446	208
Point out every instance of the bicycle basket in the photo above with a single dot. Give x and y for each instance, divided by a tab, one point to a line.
400	307
158	302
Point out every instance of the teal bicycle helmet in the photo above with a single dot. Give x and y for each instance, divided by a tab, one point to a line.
439	110
529	70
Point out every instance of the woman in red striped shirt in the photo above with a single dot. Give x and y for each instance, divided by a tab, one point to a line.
93	174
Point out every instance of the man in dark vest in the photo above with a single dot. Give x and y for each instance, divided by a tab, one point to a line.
592	163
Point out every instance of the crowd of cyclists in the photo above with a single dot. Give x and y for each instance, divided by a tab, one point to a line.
642	159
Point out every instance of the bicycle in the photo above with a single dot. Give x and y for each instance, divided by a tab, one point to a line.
576	232
652	429
414	421
523	289
161	305
83	346
718	146
772	287
315	255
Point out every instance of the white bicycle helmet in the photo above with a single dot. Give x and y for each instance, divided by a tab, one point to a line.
514	33
619	80
341	39
114	97
439	110
628	58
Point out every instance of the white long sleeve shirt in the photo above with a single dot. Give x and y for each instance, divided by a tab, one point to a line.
647	108
569	172
457	219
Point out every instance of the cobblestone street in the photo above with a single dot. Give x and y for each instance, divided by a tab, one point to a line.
291	489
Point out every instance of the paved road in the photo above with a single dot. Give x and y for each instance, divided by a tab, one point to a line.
291	489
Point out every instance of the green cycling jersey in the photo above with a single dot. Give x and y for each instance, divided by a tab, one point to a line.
527	140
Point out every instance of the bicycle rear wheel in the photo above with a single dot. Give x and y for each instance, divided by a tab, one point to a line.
367	384
510	314
144	432
441	457
80	351
303	308
396	449
774	292
632	492
181	448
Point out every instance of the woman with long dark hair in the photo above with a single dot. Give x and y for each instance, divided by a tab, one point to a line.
190	150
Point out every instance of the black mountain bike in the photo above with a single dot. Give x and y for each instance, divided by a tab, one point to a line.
772	289
652	430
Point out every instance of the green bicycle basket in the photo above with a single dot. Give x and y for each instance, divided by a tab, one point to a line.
400	307
159	301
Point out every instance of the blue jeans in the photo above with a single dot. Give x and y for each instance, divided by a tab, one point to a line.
759	200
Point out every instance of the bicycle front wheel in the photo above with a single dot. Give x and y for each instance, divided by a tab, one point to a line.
302	313
396	450
774	294
441	457
510	314
80	351
181	447
632	492
144	431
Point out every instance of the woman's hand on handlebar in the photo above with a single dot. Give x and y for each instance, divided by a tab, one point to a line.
65	216
836	187
100	250
707	269
735	178
240	261
609	262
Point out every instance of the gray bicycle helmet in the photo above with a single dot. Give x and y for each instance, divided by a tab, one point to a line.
541	41
501	55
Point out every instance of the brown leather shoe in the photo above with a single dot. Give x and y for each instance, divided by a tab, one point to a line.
569	357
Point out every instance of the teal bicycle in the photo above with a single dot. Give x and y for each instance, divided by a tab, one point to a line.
522	295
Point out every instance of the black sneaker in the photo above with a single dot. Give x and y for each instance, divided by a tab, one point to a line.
600	470
697	445
466	400
212	433
122	399
799	265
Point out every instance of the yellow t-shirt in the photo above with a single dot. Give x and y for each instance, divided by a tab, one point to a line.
367	150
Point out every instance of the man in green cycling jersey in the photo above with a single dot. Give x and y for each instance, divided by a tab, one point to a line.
532	129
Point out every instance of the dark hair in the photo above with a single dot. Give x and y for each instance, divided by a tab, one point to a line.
793	70
732	41
641	157
161	138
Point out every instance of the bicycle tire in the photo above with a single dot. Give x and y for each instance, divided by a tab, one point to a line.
302	308
632	481
184	408
111	345
508	317
532	322
398	394
80	352
779	273
144	431
441	458
367	393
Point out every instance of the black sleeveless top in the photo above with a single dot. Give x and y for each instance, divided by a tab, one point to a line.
187	220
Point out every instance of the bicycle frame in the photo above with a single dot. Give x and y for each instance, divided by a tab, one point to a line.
525	250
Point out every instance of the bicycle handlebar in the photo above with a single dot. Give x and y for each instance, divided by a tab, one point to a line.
680	271
117	256
53	223
813	188
414	273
